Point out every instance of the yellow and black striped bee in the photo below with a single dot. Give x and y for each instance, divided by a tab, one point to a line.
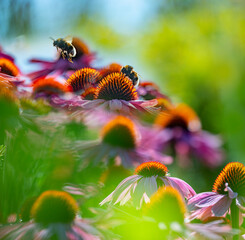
66	48
131	74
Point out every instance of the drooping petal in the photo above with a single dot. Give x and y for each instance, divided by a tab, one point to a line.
222	206
120	188
197	198
184	188
150	185
209	201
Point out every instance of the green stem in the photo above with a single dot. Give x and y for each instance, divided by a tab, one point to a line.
235	218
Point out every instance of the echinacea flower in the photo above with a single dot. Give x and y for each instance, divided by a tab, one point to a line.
228	187
167	208
82	79
116	92
54	215
82	59
180	127
150	90
120	140
10	72
46	87
148	177
8	67
112	68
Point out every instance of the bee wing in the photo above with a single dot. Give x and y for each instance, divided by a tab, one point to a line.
74	51
68	39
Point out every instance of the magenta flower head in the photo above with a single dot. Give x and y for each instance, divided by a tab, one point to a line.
120	140
180	127
147	179
228	188
54	215
82	59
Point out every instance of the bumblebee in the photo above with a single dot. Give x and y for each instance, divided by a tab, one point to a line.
66	48
130	73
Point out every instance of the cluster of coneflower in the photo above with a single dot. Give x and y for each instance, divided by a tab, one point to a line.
140	129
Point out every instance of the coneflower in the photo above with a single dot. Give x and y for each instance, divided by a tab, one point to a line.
148	178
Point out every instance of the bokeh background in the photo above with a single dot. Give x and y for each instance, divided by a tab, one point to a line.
194	49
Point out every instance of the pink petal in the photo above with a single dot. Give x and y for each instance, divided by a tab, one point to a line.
209	201
183	187
222	206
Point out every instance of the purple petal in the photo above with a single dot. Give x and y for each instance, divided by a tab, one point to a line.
89	104
115	104
184	188
209	201
197	198
222	206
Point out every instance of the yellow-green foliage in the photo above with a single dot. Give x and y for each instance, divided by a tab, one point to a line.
198	55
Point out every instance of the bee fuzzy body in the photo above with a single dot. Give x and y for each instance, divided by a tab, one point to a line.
67	50
131	74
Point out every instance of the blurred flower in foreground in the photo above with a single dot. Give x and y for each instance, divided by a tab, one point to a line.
54	217
148	178
181	126
120	139
46	87
228	188
9	71
82	59
168	209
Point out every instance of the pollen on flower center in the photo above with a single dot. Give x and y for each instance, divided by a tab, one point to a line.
116	86
120	132
82	78
180	116
54	207
49	86
233	174
8	67
149	169
166	205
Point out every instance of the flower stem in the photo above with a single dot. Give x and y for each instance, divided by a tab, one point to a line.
235	218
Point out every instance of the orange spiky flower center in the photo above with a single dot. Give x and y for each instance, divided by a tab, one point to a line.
233	174
120	132
116	86
166	205
149	169
180	116
49	86
88	93
112	68
8	67
82	79
54	207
